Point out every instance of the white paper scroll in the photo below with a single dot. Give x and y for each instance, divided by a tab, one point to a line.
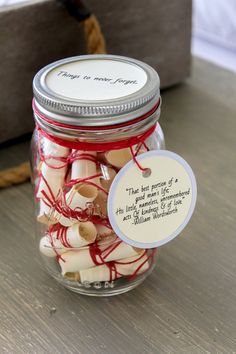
50	247
74	261
77	199
53	149
83	168
119	158
53	170
76	236
103	231
46	214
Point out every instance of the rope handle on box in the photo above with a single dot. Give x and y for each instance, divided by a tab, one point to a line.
95	44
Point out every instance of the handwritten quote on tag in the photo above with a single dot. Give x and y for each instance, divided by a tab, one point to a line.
150	211
152	201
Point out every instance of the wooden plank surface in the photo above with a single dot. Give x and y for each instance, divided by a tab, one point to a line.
188	304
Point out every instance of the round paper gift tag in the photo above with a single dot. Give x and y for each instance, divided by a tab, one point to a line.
148	209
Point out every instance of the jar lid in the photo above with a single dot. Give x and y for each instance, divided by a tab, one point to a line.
96	90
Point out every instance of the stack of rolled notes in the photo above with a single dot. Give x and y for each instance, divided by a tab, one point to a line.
72	189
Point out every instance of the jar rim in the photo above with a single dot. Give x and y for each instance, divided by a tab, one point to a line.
67	135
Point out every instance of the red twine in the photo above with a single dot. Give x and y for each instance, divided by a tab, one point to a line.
115	145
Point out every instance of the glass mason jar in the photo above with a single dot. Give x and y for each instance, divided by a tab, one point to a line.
93	114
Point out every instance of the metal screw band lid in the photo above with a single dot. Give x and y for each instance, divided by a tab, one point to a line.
96	90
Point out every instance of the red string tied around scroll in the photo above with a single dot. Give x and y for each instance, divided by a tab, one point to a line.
47	157
99	258
50	232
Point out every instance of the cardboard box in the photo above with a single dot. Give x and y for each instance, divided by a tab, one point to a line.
36	33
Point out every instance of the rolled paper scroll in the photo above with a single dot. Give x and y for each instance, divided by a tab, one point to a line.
119	158
74	261
76	236
84	167
125	267
52	149
103	230
77	199
82	234
46	214
50	247
52	180
72	276
52	169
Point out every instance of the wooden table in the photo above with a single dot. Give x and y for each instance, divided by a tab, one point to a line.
188	304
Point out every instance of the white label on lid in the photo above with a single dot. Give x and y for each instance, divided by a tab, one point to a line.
147	212
96	79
